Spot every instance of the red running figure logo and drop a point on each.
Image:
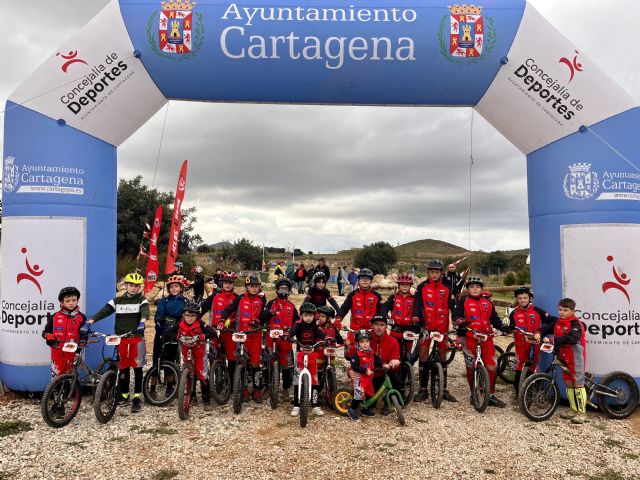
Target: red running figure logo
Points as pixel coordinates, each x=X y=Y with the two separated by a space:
x=70 y=59
x=574 y=66
x=34 y=271
x=622 y=280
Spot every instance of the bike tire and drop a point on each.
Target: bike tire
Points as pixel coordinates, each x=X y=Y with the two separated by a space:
x=480 y=391
x=451 y=354
x=408 y=385
x=61 y=385
x=219 y=382
x=437 y=384
x=526 y=373
x=398 y=409
x=105 y=400
x=539 y=390
x=331 y=386
x=274 y=384
x=510 y=347
x=499 y=350
x=342 y=400
x=627 y=401
x=185 y=385
x=168 y=368
x=238 y=387
x=304 y=401
x=507 y=363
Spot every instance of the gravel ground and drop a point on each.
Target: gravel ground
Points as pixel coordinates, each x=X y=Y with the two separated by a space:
x=452 y=442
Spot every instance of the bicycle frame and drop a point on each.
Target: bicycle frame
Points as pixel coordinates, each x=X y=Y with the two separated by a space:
x=303 y=372
x=385 y=389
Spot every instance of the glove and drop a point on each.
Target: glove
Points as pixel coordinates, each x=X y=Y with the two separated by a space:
x=201 y=337
x=220 y=326
x=85 y=328
x=338 y=323
x=227 y=323
x=140 y=328
x=49 y=337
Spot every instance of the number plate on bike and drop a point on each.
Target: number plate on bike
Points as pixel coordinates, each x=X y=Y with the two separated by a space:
x=547 y=347
x=329 y=351
x=276 y=333
x=112 y=340
x=239 y=337
x=437 y=336
x=480 y=336
x=410 y=336
x=70 y=347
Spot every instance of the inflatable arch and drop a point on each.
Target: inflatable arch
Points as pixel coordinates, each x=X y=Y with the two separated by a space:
x=64 y=124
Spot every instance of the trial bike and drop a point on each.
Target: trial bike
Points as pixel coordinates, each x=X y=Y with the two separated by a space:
x=436 y=370
x=219 y=381
x=508 y=361
x=241 y=375
x=480 y=387
x=407 y=360
x=329 y=376
x=273 y=361
x=305 y=380
x=188 y=376
x=159 y=376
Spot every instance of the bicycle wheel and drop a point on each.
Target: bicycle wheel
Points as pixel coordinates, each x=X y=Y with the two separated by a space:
x=480 y=390
x=510 y=347
x=437 y=384
x=105 y=400
x=219 y=382
x=398 y=409
x=304 y=400
x=539 y=397
x=160 y=394
x=331 y=385
x=60 y=401
x=184 y=393
x=342 y=400
x=407 y=388
x=451 y=353
x=507 y=363
x=499 y=350
x=238 y=387
x=274 y=383
x=626 y=399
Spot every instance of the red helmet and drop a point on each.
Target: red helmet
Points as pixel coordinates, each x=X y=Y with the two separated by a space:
x=229 y=276
x=405 y=278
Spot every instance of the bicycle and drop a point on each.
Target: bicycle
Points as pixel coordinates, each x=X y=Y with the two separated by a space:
x=67 y=387
x=240 y=377
x=392 y=398
x=305 y=380
x=455 y=343
x=159 y=372
x=273 y=361
x=329 y=376
x=105 y=400
x=480 y=388
x=407 y=360
x=219 y=382
x=436 y=370
x=508 y=361
x=186 y=384
x=539 y=397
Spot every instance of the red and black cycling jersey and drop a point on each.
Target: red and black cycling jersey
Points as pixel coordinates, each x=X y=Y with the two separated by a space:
x=247 y=309
x=530 y=319
x=320 y=296
x=364 y=305
x=478 y=313
x=65 y=326
x=330 y=331
x=432 y=305
x=217 y=304
x=190 y=330
x=307 y=333
x=279 y=313
x=400 y=307
x=362 y=360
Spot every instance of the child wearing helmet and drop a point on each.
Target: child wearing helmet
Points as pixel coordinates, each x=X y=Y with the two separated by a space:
x=198 y=283
x=364 y=304
x=280 y=313
x=132 y=312
x=318 y=293
x=191 y=326
x=399 y=306
x=363 y=363
x=308 y=333
x=66 y=325
x=324 y=320
x=476 y=312
x=247 y=309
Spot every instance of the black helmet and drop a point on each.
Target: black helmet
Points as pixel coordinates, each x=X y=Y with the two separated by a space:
x=66 y=291
x=365 y=272
x=474 y=281
x=435 y=264
x=191 y=307
x=307 y=307
x=318 y=276
x=252 y=279
x=360 y=334
x=328 y=311
x=283 y=281
x=520 y=290
x=379 y=318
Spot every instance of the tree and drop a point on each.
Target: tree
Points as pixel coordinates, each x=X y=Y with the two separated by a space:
x=379 y=257
x=248 y=254
x=524 y=275
x=204 y=248
x=510 y=279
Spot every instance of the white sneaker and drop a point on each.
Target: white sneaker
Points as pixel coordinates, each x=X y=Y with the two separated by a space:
x=295 y=411
x=317 y=411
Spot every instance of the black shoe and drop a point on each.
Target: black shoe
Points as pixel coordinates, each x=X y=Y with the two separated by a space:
x=496 y=402
x=206 y=404
x=122 y=400
x=448 y=397
x=421 y=396
x=136 y=405
x=366 y=412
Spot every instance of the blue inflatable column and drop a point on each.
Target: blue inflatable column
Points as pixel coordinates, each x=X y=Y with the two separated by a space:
x=58 y=229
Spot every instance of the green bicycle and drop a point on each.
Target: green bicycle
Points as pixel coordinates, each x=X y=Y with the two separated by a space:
x=392 y=397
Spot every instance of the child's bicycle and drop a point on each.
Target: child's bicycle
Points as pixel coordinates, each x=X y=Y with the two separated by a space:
x=273 y=360
x=186 y=385
x=241 y=375
x=105 y=400
x=392 y=398
x=157 y=376
x=480 y=389
x=616 y=394
x=219 y=381
x=508 y=361
x=61 y=399
x=436 y=370
x=408 y=358
x=330 y=386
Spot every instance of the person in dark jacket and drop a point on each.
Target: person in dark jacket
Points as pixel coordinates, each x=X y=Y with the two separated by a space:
x=452 y=280
x=300 y=276
x=353 y=279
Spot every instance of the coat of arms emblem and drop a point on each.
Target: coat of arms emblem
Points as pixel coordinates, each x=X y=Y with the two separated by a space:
x=180 y=30
x=580 y=183
x=11 y=175
x=470 y=35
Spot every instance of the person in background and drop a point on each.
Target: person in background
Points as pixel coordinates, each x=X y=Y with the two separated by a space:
x=352 y=278
x=300 y=276
x=218 y=279
x=342 y=281
x=452 y=280
x=280 y=270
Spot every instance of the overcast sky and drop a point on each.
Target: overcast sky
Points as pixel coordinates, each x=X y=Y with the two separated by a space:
x=329 y=178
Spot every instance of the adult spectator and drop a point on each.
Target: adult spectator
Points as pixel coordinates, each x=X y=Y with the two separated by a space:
x=342 y=281
x=279 y=271
x=352 y=278
x=300 y=277
x=452 y=280
x=217 y=279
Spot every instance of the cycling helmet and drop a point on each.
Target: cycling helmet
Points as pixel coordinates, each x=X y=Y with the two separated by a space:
x=179 y=265
x=328 y=311
x=191 y=307
x=379 y=318
x=283 y=282
x=360 y=334
x=252 y=279
x=229 y=276
x=318 y=276
x=520 y=290
x=486 y=294
x=68 y=291
x=365 y=272
x=179 y=279
x=134 y=278
x=435 y=264
x=197 y=269
x=307 y=307
x=474 y=281
x=405 y=278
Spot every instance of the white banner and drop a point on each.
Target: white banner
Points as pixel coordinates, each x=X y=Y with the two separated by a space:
x=94 y=82
x=601 y=272
x=40 y=255
x=548 y=89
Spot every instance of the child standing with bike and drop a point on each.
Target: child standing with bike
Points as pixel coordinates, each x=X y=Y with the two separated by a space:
x=570 y=343
x=318 y=293
x=66 y=325
x=399 y=306
x=132 y=311
x=363 y=363
x=364 y=304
